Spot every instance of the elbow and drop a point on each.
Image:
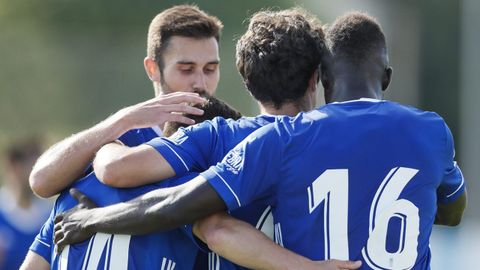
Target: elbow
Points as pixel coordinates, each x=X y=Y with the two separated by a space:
x=108 y=173
x=39 y=184
x=214 y=231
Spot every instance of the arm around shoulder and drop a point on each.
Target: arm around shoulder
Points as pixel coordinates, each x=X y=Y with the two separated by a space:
x=67 y=160
x=122 y=166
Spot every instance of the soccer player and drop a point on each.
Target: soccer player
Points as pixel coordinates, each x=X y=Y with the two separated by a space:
x=21 y=213
x=291 y=45
x=170 y=250
x=287 y=95
x=360 y=178
x=182 y=55
x=283 y=81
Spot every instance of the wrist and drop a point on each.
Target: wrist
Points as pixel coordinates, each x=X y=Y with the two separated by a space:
x=90 y=225
x=115 y=126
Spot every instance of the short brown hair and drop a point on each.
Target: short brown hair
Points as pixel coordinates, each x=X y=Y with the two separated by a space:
x=181 y=20
x=279 y=53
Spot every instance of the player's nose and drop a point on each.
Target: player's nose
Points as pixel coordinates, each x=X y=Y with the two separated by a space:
x=199 y=83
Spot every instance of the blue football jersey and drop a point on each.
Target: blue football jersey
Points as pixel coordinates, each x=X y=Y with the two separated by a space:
x=136 y=137
x=172 y=250
x=197 y=147
x=356 y=180
x=18 y=227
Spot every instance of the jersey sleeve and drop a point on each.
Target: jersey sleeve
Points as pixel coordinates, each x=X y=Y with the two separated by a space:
x=250 y=170
x=453 y=183
x=188 y=149
x=43 y=242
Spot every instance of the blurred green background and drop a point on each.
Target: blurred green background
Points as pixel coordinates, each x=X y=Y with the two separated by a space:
x=67 y=64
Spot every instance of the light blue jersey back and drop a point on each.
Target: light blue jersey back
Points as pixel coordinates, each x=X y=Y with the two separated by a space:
x=172 y=250
x=197 y=147
x=357 y=180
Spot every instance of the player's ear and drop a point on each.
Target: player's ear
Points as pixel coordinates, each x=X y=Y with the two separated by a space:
x=152 y=69
x=387 y=78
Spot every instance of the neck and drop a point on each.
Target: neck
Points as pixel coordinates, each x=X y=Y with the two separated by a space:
x=351 y=87
x=289 y=109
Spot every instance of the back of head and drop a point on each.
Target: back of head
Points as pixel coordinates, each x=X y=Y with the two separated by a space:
x=355 y=37
x=23 y=150
x=278 y=54
x=20 y=155
x=181 y=20
x=212 y=108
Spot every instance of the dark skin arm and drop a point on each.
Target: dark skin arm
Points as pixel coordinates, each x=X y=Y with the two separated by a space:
x=158 y=210
x=451 y=214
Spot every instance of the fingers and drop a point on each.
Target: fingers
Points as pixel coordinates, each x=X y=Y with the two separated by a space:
x=82 y=198
x=348 y=264
x=182 y=108
x=58 y=236
x=58 y=218
x=60 y=245
x=181 y=97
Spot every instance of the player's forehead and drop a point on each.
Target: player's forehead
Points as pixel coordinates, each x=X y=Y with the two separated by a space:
x=199 y=51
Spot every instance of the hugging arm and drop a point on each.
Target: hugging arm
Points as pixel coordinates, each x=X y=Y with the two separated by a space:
x=65 y=162
x=122 y=166
x=244 y=245
x=158 y=210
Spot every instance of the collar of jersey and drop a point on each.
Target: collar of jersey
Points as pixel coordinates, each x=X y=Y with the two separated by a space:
x=359 y=100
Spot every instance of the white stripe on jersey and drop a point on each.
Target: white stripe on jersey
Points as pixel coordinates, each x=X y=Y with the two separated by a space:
x=168 y=264
x=265 y=223
x=119 y=258
x=213 y=261
x=63 y=261
x=278 y=234
x=41 y=242
x=461 y=184
x=231 y=190
x=178 y=156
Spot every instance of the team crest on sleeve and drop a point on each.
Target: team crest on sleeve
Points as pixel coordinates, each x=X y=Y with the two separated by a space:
x=178 y=137
x=234 y=160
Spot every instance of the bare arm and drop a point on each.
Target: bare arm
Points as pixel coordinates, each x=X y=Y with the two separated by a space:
x=451 y=214
x=122 y=166
x=64 y=162
x=33 y=261
x=158 y=210
x=244 y=245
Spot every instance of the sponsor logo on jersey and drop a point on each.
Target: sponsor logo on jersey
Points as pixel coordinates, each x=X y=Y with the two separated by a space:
x=234 y=160
x=178 y=137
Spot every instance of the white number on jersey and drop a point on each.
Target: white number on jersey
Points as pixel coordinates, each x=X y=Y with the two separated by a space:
x=332 y=187
x=117 y=258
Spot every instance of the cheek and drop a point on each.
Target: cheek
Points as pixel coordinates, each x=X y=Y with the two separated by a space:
x=176 y=81
x=212 y=82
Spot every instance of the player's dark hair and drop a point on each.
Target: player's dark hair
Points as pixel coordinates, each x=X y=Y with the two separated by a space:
x=20 y=150
x=355 y=36
x=279 y=53
x=212 y=108
x=181 y=20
